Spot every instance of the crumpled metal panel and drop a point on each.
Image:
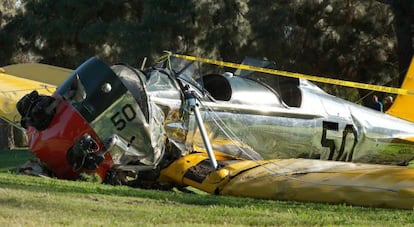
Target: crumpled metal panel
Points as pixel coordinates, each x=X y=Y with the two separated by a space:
x=115 y=104
x=138 y=123
x=126 y=115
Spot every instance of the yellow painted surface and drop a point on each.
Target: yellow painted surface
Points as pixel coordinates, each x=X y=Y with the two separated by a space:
x=39 y=72
x=302 y=180
x=20 y=79
x=13 y=88
x=327 y=182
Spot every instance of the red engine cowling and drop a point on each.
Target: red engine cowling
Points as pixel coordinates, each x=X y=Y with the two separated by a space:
x=52 y=144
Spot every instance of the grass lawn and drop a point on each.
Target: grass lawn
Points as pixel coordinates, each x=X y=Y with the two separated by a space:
x=10 y=160
x=36 y=201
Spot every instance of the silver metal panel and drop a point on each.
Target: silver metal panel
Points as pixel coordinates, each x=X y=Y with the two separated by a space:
x=256 y=124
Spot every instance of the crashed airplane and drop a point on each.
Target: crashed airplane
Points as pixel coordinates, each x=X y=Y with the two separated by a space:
x=236 y=133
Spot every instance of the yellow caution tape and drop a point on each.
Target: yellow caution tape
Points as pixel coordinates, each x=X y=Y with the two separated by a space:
x=379 y=88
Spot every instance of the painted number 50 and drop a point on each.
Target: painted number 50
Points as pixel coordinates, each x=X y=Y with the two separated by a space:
x=120 y=118
x=330 y=143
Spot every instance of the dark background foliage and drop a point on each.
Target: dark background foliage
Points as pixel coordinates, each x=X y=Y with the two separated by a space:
x=366 y=41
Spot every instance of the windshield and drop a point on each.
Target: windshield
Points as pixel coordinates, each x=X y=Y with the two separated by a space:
x=188 y=71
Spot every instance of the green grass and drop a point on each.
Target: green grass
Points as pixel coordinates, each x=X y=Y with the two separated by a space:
x=36 y=201
x=10 y=160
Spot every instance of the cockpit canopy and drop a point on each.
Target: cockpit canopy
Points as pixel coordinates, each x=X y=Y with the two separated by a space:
x=242 y=86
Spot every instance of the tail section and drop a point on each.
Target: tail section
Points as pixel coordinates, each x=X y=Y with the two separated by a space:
x=404 y=104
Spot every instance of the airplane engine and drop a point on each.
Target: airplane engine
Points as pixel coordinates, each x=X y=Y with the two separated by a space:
x=77 y=134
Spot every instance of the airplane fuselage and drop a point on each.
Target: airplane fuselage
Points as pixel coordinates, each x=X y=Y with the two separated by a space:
x=136 y=121
x=318 y=125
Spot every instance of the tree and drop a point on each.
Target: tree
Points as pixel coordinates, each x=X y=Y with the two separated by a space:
x=163 y=25
x=64 y=33
x=350 y=40
x=7 y=40
x=223 y=28
x=216 y=29
x=7 y=44
x=404 y=28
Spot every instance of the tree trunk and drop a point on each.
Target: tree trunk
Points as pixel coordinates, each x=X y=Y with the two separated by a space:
x=404 y=26
x=404 y=29
x=11 y=137
x=20 y=137
x=4 y=135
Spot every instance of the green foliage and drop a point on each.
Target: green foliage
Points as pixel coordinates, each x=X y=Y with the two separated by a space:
x=7 y=40
x=223 y=27
x=350 y=40
x=336 y=38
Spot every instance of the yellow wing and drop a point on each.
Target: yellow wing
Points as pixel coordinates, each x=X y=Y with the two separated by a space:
x=304 y=180
x=39 y=72
x=20 y=79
